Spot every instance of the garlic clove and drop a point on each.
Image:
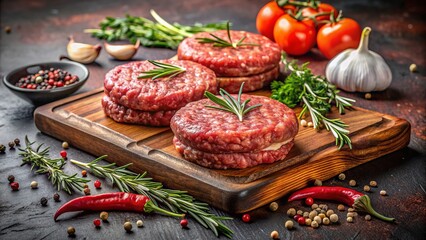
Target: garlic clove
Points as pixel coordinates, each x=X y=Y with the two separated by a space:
x=359 y=70
x=82 y=52
x=122 y=52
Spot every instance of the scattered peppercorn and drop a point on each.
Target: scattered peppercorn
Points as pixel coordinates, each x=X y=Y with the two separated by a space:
x=246 y=218
x=104 y=216
x=275 y=235
x=303 y=123
x=56 y=197
x=355 y=214
x=71 y=231
x=341 y=207
x=47 y=79
x=296 y=217
x=367 y=217
x=97 y=184
x=351 y=209
x=85 y=186
x=17 y=141
x=289 y=224
x=334 y=218
x=413 y=67
x=301 y=221
x=14 y=186
x=305 y=214
x=11 y=145
x=34 y=184
x=350 y=214
x=63 y=154
x=86 y=191
x=314 y=224
x=317 y=182
x=97 y=222
x=184 y=223
x=2 y=148
x=350 y=219
x=7 y=29
x=367 y=96
x=352 y=183
x=43 y=201
x=367 y=188
x=84 y=173
x=299 y=212
x=321 y=215
x=308 y=222
x=273 y=206
x=383 y=192
x=342 y=176
x=329 y=212
x=291 y=212
x=313 y=214
x=309 y=201
x=323 y=207
x=65 y=145
x=310 y=124
x=139 y=223
x=373 y=183
x=326 y=221
x=318 y=219
x=128 y=226
x=11 y=178
x=314 y=206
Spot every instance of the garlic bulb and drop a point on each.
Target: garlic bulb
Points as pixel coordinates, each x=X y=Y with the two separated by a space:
x=122 y=52
x=81 y=52
x=359 y=70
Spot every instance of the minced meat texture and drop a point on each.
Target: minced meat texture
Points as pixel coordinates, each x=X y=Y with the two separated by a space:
x=124 y=87
x=216 y=131
x=232 y=160
x=124 y=114
x=229 y=61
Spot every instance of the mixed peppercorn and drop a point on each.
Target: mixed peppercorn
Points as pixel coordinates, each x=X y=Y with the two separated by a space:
x=47 y=79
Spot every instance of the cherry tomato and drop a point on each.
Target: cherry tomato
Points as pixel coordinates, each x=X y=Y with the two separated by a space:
x=295 y=37
x=268 y=15
x=333 y=38
x=309 y=201
x=246 y=218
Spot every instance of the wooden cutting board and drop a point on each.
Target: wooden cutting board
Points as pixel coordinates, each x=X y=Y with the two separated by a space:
x=80 y=121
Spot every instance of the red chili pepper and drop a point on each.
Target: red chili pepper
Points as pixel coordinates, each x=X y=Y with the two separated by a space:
x=119 y=201
x=350 y=197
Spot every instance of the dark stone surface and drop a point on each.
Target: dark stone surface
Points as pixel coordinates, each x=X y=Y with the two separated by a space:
x=39 y=34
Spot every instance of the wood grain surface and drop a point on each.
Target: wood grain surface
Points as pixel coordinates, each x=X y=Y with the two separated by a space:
x=151 y=149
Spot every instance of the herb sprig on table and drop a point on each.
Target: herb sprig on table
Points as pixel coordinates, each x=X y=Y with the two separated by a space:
x=39 y=158
x=150 y=33
x=175 y=200
x=316 y=95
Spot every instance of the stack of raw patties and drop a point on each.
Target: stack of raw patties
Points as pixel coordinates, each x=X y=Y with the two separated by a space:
x=255 y=61
x=146 y=101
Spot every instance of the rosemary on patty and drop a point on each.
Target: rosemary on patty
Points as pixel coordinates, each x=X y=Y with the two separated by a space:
x=162 y=70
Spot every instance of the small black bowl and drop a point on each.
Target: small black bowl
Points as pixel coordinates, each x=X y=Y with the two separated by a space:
x=43 y=96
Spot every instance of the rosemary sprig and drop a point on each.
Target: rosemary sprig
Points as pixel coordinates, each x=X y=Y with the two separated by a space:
x=230 y=104
x=220 y=42
x=53 y=167
x=316 y=95
x=174 y=200
x=163 y=70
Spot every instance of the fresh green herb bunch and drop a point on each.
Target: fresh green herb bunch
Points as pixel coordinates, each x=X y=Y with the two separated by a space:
x=150 y=33
x=39 y=158
x=175 y=200
x=316 y=96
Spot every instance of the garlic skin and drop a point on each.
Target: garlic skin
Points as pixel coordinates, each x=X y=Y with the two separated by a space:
x=359 y=70
x=81 y=52
x=122 y=52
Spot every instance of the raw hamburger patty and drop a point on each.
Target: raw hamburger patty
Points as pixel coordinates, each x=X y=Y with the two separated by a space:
x=251 y=83
x=127 y=115
x=215 y=131
x=123 y=87
x=231 y=160
x=229 y=61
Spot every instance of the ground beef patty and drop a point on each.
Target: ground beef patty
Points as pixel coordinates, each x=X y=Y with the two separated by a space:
x=215 y=131
x=123 y=114
x=229 y=61
x=123 y=86
x=231 y=160
x=251 y=83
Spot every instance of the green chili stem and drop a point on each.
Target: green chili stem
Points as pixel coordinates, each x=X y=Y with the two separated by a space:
x=363 y=204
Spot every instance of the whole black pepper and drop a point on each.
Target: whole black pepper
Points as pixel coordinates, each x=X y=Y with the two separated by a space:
x=17 y=141
x=56 y=197
x=11 y=178
x=11 y=145
x=43 y=201
x=2 y=148
x=71 y=231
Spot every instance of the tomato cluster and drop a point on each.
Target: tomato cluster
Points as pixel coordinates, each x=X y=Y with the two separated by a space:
x=297 y=26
